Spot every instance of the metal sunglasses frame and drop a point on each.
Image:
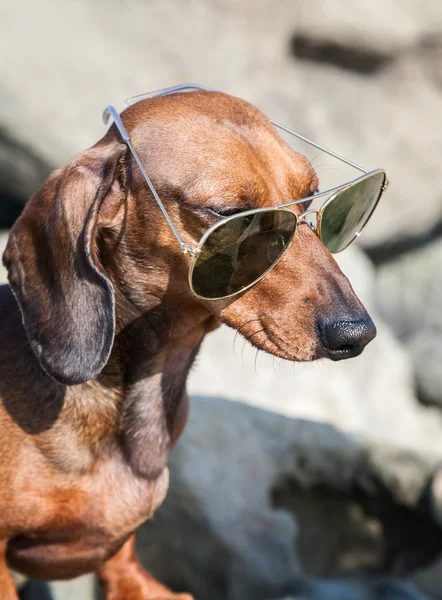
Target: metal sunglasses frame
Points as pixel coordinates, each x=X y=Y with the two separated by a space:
x=194 y=251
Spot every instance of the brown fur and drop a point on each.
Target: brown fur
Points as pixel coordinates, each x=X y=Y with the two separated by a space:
x=93 y=386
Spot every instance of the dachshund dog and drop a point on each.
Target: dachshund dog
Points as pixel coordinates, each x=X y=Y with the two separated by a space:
x=100 y=329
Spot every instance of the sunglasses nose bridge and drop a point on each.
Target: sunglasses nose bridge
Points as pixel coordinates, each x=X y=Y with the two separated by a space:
x=311 y=211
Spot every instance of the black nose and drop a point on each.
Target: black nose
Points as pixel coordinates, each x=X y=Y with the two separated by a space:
x=346 y=338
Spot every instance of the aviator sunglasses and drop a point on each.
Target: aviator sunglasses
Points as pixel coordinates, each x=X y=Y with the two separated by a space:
x=238 y=250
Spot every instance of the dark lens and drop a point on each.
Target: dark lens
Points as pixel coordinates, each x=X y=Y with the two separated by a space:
x=345 y=216
x=241 y=251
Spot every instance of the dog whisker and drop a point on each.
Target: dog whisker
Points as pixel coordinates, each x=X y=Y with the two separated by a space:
x=242 y=354
x=319 y=154
x=238 y=331
x=257 y=350
x=264 y=342
x=256 y=359
x=255 y=333
x=274 y=368
x=246 y=323
x=325 y=168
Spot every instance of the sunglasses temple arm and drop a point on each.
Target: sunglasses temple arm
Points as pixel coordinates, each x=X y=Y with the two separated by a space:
x=196 y=86
x=111 y=111
x=183 y=87
x=330 y=152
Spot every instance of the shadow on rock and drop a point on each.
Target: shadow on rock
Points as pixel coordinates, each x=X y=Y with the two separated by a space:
x=258 y=501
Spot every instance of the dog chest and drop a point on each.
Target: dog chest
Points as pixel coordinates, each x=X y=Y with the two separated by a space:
x=60 y=527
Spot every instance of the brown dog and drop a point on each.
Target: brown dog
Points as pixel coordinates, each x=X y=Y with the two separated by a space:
x=100 y=334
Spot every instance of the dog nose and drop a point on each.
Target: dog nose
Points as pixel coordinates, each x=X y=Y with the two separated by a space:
x=346 y=338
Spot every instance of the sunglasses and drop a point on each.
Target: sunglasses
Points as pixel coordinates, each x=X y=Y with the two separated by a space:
x=239 y=250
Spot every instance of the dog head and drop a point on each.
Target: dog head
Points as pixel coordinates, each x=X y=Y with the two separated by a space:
x=92 y=243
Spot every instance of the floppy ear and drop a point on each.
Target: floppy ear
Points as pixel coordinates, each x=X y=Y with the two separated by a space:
x=66 y=300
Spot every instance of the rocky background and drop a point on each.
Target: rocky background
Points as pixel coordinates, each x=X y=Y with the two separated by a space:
x=312 y=482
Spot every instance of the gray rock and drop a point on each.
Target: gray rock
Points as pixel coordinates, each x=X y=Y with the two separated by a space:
x=37 y=590
x=409 y=297
x=359 y=25
x=22 y=171
x=261 y=496
x=377 y=66
x=342 y=590
x=55 y=110
x=333 y=590
x=409 y=291
x=429 y=579
x=427 y=355
x=362 y=527
x=395 y=590
x=57 y=107
x=218 y=529
x=404 y=473
x=82 y=588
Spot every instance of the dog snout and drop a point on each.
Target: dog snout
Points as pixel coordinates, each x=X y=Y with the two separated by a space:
x=346 y=337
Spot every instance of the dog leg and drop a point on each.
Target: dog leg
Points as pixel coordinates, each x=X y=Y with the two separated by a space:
x=7 y=586
x=124 y=578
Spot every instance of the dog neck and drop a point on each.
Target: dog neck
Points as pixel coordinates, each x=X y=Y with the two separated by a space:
x=154 y=349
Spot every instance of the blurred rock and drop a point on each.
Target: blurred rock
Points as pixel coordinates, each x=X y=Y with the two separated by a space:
x=239 y=475
x=429 y=579
x=409 y=297
x=381 y=117
x=81 y=588
x=427 y=354
x=373 y=76
x=382 y=589
x=22 y=172
x=218 y=530
x=394 y=590
x=361 y=25
x=342 y=590
x=57 y=107
x=362 y=527
x=409 y=291
x=38 y=590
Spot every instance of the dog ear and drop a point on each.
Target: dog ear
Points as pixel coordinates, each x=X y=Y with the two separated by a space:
x=66 y=300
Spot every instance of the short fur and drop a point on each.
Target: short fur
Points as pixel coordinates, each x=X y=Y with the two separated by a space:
x=99 y=328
